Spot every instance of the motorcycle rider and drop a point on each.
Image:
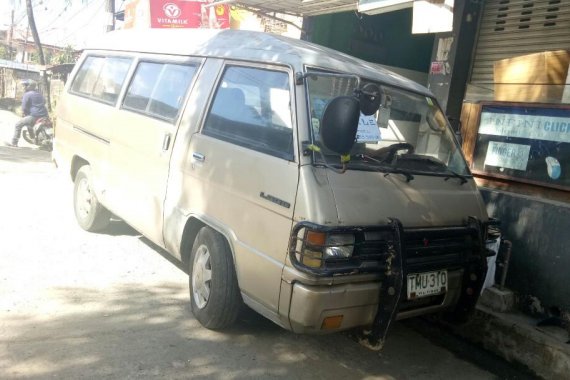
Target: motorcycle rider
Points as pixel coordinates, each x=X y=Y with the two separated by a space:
x=33 y=108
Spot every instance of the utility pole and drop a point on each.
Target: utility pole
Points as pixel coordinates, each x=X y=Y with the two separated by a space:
x=11 y=35
x=110 y=10
x=34 y=30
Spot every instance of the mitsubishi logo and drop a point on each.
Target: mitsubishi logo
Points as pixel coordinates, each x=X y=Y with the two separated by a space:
x=426 y=242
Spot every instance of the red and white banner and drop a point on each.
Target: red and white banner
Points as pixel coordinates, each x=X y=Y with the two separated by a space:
x=188 y=14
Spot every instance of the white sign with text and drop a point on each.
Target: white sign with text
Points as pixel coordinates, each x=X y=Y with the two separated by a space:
x=368 y=130
x=536 y=127
x=506 y=155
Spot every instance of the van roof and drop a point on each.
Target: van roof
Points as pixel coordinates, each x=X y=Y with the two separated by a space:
x=247 y=45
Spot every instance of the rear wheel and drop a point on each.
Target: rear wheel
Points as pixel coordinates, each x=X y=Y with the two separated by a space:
x=90 y=214
x=214 y=292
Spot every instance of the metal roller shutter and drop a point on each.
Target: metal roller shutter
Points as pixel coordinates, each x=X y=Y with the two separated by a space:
x=511 y=28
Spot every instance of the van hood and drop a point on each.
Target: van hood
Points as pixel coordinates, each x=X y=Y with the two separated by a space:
x=364 y=198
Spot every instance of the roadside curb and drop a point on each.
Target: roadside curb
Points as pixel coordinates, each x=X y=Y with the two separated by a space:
x=516 y=338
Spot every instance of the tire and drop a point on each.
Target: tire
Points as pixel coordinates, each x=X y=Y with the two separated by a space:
x=214 y=293
x=27 y=137
x=89 y=213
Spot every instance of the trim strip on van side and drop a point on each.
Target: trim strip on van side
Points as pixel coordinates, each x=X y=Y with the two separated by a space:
x=85 y=132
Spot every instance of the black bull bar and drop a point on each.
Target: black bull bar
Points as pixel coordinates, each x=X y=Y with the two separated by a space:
x=472 y=258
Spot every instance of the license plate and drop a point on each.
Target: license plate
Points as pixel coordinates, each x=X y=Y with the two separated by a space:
x=427 y=284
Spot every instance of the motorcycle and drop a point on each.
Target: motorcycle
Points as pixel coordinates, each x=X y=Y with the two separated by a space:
x=43 y=134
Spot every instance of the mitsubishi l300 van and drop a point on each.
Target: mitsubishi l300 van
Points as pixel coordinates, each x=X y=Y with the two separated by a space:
x=322 y=191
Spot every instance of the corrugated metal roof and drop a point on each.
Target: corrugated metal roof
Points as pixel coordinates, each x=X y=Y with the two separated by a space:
x=297 y=7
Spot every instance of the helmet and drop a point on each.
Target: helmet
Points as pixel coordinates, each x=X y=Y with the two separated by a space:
x=29 y=84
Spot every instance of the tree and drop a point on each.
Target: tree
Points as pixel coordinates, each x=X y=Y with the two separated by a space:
x=34 y=29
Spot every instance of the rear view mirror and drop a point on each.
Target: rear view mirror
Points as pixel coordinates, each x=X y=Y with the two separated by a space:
x=340 y=124
x=369 y=97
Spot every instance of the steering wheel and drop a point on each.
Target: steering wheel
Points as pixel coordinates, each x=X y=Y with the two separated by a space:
x=395 y=148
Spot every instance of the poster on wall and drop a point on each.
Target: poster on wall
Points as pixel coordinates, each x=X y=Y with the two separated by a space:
x=528 y=143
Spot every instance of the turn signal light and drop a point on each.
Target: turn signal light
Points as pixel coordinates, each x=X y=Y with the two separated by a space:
x=330 y=323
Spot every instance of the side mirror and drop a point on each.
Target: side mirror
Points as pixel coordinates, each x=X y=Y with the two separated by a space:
x=340 y=124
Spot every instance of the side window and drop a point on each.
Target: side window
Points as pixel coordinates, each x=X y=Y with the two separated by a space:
x=101 y=78
x=158 y=89
x=252 y=108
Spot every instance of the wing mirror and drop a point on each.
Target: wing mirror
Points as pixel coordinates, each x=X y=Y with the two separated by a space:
x=340 y=124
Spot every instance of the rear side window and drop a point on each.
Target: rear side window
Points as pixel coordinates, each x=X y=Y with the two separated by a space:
x=158 y=89
x=101 y=78
x=252 y=108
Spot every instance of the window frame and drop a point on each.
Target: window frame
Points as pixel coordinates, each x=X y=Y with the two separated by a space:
x=182 y=61
x=286 y=69
x=104 y=56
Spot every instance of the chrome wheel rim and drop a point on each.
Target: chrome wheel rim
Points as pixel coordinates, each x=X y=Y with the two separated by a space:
x=201 y=277
x=84 y=198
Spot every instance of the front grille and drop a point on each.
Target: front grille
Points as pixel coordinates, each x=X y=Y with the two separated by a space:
x=429 y=248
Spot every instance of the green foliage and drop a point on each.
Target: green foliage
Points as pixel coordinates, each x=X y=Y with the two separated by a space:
x=68 y=55
x=4 y=53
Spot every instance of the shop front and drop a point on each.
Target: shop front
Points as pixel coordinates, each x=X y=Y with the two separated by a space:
x=516 y=136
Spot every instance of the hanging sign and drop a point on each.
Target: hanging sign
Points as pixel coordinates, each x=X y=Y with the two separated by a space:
x=432 y=16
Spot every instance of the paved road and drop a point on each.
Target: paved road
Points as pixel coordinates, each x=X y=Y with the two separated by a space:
x=80 y=305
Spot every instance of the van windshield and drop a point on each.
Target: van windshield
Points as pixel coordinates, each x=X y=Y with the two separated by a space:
x=409 y=133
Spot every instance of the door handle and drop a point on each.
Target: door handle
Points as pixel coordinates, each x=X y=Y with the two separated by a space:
x=166 y=142
x=198 y=157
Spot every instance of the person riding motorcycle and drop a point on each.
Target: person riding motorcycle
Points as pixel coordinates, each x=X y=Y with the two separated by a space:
x=33 y=108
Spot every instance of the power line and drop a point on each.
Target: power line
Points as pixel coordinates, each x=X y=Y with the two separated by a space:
x=83 y=8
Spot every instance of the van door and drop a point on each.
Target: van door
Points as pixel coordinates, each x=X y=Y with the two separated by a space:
x=86 y=113
x=142 y=142
x=243 y=174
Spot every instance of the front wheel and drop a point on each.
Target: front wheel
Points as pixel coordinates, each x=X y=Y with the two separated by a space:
x=90 y=214
x=27 y=137
x=214 y=293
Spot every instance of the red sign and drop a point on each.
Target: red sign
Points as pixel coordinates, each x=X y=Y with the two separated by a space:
x=437 y=68
x=188 y=14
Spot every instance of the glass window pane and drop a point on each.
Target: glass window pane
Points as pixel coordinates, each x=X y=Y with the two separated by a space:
x=140 y=89
x=111 y=79
x=87 y=76
x=528 y=143
x=252 y=108
x=168 y=94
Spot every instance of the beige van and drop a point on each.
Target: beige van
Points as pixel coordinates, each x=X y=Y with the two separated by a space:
x=322 y=191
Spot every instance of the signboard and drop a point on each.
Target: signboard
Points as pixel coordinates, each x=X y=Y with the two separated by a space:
x=373 y=7
x=505 y=155
x=176 y=14
x=188 y=14
x=551 y=125
x=432 y=16
x=528 y=143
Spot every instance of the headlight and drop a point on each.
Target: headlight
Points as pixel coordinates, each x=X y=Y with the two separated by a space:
x=318 y=247
x=339 y=246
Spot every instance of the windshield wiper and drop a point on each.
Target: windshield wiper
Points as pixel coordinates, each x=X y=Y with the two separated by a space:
x=406 y=174
x=462 y=179
x=388 y=169
x=439 y=163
